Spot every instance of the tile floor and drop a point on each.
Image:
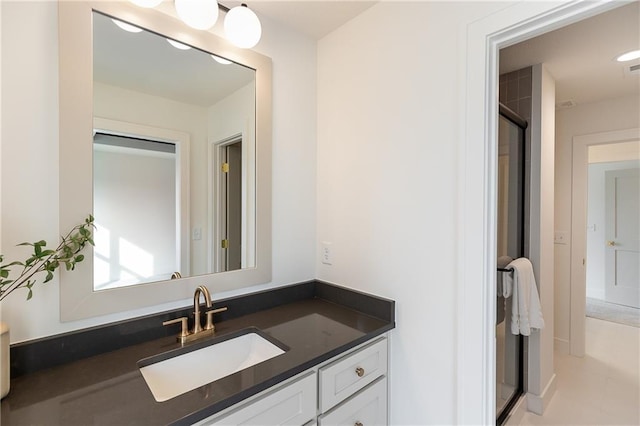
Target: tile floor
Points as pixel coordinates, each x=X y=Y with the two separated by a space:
x=603 y=388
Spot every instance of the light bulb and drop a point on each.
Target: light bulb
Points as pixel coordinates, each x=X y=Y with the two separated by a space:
x=127 y=27
x=198 y=14
x=242 y=27
x=178 y=45
x=146 y=3
x=220 y=60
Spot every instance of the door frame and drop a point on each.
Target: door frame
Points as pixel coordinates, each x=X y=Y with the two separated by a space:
x=478 y=192
x=579 y=189
x=215 y=257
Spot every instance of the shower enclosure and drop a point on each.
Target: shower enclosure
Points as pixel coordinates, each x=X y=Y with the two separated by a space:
x=511 y=243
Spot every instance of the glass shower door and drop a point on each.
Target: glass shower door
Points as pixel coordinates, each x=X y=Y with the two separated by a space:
x=510 y=245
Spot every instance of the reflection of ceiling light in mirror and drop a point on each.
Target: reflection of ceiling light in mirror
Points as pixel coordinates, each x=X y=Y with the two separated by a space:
x=629 y=56
x=178 y=45
x=221 y=60
x=198 y=14
x=146 y=3
x=242 y=27
x=126 y=27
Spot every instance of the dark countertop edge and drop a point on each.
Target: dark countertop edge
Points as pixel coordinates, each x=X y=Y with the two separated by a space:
x=274 y=380
x=39 y=354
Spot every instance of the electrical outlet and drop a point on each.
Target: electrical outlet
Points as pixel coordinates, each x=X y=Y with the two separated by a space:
x=561 y=237
x=325 y=253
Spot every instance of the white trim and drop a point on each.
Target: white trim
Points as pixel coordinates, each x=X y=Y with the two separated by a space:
x=477 y=191
x=578 y=289
x=537 y=403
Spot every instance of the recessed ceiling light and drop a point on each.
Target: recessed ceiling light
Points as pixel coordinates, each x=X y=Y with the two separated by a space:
x=629 y=56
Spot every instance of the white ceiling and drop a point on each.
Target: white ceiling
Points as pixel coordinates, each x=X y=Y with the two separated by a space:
x=581 y=56
x=310 y=17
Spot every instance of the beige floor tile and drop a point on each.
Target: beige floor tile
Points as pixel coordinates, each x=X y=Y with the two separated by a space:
x=603 y=387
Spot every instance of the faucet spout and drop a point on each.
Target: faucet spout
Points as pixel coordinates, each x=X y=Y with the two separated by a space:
x=197 y=324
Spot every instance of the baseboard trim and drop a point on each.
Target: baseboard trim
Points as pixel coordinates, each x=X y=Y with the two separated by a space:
x=538 y=403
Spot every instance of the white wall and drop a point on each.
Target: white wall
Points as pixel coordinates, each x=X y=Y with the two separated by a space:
x=389 y=121
x=29 y=168
x=609 y=115
x=540 y=383
x=596 y=224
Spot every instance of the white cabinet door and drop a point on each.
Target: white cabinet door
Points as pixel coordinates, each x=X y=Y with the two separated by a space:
x=367 y=408
x=293 y=404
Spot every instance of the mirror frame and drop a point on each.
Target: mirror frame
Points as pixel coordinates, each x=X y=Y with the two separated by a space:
x=78 y=300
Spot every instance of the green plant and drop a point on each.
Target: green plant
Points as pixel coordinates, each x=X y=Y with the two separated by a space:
x=46 y=260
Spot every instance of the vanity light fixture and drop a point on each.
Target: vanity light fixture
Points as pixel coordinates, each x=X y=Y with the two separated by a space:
x=178 y=45
x=198 y=14
x=242 y=27
x=146 y=3
x=629 y=56
x=127 y=27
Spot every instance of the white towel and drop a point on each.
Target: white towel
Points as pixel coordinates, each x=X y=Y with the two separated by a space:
x=520 y=284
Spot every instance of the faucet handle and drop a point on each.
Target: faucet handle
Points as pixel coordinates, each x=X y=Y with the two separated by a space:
x=209 y=325
x=185 y=327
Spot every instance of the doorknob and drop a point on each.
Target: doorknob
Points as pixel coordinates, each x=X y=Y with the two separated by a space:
x=611 y=243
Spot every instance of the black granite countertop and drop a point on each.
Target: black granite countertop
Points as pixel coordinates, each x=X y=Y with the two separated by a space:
x=108 y=388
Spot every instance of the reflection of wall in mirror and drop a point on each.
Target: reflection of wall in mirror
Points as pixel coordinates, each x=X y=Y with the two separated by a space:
x=232 y=114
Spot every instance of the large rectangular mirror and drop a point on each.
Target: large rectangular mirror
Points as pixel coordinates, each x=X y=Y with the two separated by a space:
x=170 y=149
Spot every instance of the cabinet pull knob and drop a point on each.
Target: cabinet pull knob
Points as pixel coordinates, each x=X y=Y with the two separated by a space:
x=611 y=243
x=360 y=373
x=358 y=423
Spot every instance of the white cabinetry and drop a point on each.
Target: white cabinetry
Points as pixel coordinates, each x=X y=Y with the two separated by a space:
x=349 y=390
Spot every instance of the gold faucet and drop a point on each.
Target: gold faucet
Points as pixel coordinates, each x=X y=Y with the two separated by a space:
x=198 y=331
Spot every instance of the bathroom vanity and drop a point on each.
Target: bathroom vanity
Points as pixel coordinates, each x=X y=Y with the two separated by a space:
x=332 y=370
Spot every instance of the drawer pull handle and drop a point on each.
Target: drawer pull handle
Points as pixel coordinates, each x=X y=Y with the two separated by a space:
x=360 y=373
x=358 y=423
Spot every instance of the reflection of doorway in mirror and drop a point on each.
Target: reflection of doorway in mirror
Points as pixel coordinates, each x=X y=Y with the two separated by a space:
x=231 y=200
x=135 y=197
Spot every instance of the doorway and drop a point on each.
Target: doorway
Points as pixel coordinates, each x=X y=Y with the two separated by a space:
x=231 y=206
x=485 y=37
x=226 y=201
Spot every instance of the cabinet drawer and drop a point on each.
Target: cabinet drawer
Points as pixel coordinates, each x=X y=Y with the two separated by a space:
x=367 y=408
x=346 y=376
x=294 y=404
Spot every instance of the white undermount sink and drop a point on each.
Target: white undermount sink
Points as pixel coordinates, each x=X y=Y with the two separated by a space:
x=176 y=375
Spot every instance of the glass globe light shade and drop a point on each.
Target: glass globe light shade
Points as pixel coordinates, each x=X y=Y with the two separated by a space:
x=146 y=3
x=198 y=14
x=242 y=27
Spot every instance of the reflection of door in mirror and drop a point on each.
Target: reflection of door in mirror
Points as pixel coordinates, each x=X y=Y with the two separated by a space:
x=135 y=197
x=231 y=202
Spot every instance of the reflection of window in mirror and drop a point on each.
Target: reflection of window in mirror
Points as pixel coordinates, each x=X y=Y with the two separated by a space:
x=135 y=197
